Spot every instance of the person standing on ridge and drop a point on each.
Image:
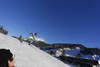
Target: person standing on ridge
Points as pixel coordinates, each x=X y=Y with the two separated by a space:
x=20 y=38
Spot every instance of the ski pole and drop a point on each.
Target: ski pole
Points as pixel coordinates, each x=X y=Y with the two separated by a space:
x=27 y=30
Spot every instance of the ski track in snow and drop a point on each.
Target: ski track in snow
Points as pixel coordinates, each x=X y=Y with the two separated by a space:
x=29 y=56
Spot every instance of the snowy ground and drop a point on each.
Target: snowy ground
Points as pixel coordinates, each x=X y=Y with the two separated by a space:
x=76 y=51
x=29 y=56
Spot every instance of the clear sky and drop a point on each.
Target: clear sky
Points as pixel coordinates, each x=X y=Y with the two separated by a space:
x=57 y=21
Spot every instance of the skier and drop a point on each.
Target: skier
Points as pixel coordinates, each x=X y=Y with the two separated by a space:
x=31 y=39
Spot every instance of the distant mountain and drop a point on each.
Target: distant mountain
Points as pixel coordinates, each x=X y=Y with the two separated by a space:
x=68 y=45
x=42 y=44
x=91 y=51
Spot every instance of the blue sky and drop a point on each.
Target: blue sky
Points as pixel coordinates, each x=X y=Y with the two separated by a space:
x=57 y=21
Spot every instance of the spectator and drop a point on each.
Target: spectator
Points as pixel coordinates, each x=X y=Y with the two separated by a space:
x=6 y=58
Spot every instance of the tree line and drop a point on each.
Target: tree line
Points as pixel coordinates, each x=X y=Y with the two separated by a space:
x=2 y=30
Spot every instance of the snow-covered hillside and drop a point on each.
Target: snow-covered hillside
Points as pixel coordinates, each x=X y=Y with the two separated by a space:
x=73 y=53
x=40 y=39
x=29 y=56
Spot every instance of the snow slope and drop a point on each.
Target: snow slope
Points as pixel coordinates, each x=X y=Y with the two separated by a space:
x=29 y=56
x=40 y=39
x=73 y=53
